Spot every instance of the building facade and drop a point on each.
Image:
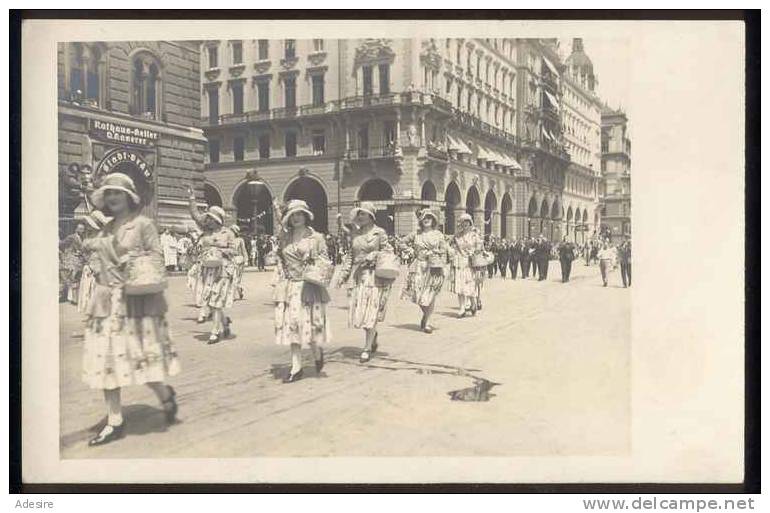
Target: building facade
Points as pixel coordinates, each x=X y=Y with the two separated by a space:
x=131 y=107
x=581 y=121
x=460 y=125
x=616 y=173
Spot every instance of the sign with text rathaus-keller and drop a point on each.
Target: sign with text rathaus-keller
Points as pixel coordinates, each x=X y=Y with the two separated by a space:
x=123 y=134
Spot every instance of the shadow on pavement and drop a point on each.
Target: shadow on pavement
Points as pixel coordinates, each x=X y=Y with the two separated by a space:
x=140 y=419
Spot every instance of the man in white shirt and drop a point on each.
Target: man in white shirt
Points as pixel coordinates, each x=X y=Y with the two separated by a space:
x=607 y=255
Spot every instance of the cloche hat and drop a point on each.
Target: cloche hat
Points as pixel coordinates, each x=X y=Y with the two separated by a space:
x=115 y=182
x=217 y=214
x=293 y=207
x=366 y=207
x=428 y=213
x=466 y=217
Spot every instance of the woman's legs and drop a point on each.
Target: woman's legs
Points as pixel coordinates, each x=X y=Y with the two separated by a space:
x=463 y=303
x=114 y=408
x=162 y=391
x=296 y=358
x=219 y=321
x=369 y=334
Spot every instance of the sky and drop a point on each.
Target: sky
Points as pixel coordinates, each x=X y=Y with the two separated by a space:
x=611 y=58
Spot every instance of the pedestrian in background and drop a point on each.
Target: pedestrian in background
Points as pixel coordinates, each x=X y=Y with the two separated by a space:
x=71 y=266
x=466 y=243
x=624 y=256
x=566 y=252
x=502 y=256
x=239 y=260
x=168 y=245
x=607 y=256
x=516 y=254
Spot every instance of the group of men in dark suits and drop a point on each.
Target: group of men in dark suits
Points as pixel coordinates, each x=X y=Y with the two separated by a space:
x=532 y=253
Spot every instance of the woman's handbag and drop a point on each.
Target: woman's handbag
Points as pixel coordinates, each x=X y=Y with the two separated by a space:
x=436 y=261
x=318 y=272
x=482 y=259
x=145 y=274
x=387 y=266
x=212 y=258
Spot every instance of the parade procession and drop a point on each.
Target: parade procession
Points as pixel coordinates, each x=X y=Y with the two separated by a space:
x=262 y=220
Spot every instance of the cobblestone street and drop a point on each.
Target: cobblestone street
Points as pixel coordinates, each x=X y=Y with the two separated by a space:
x=557 y=356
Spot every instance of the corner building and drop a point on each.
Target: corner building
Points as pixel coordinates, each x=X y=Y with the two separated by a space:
x=616 y=172
x=405 y=123
x=132 y=107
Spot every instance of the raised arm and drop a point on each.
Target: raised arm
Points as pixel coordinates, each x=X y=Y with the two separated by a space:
x=194 y=212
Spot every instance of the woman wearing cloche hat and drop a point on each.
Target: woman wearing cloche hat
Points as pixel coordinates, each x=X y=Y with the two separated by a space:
x=213 y=286
x=369 y=294
x=466 y=243
x=300 y=306
x=95 y=222
x=426 y=273
x=126 y=338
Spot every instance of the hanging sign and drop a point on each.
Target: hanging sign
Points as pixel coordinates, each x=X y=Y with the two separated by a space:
x=124 y=156
x=123 y=134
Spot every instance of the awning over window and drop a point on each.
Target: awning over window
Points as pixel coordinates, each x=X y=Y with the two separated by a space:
x=458 y=145
x=550 y=66
x=551 y=98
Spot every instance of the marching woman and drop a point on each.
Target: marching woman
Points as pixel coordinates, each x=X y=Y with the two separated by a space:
x=369 y=294
x=72 y=262
x=300 y=306
x=467 y=279
x=214 y=284
x=95 y=221
x=127 y=338
x=240 y=260
x=426 y=275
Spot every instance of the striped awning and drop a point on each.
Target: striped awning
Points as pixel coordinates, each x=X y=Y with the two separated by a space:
x=551 y=98
x=550 y=66
x=458 y=145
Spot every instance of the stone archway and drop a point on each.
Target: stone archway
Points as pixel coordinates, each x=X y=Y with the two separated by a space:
x=428 y=191
x=490 y=206
x=532 y=212
x=311 y=190
x=377 y=189
x=254 y=208
x=452 y=201
x=211 y=195
x=505 y=209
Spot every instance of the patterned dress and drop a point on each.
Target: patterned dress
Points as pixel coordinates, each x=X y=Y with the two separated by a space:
x=127 y=339
x=466 y=278
x=214 y=286
x=369 y=294
x=424 y=282
x=300 y=308
x=71 y=265
x=88 y=280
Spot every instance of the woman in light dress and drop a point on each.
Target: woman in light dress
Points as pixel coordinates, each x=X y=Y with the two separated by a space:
x=71 y=265
x=240 y=260
x=213 y=286
x=168 y=244
x=96 y=220
x=369 y=294
x=467 y=280
x=127 y=338
x=426 y=273
x=300 y=307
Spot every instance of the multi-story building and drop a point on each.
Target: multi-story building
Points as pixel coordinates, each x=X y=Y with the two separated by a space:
x=616 y=172
x=132 y=107
x=581 y=121
x=459 y=125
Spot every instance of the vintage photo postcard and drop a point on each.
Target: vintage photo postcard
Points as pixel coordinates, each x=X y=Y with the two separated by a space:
x=393 y=252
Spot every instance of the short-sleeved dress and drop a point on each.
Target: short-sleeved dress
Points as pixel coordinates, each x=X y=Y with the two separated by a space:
x=369 y=294
x=214 y=285
x=300 y=307
x=423 y=282
x=127 y=339
x=466 y=278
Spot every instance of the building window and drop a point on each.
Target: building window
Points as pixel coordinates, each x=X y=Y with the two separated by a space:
x=264 y=146
x=318 y=90
x=262 y=49
x=459 y=51
x=213 y=57
x=363 y=142
x=318 y=45
x=263 y=96
x=389 y=133
x=145 y=87
x=289 y=49
x=237 y=89
x=213 y=105
x=237 y=52
x=291 y=144
x=213 y=151
x=384 y=78
x=238 y=144
x=459 y=96
x=368 y=86
x=319 y=142
x=448 y=87
x=290 y=92
x=86 y=73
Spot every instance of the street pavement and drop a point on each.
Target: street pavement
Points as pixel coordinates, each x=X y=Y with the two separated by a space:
x=551 y=359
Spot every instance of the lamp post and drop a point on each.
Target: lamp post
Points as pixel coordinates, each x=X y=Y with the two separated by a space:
x=255 y=185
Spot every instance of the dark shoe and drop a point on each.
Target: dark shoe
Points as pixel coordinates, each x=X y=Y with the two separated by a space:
x=201 y=319
x=423 y=322
x=213 y=339
x=428 y=329
x=108 y=434
x=292 y=378
x=319 y=364
x=365 y=356
x=170 y=407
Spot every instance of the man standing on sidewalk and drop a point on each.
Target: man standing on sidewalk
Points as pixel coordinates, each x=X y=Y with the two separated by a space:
x=624 y=256
x=542 y=257
x=515 y=256
x=566 y=256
